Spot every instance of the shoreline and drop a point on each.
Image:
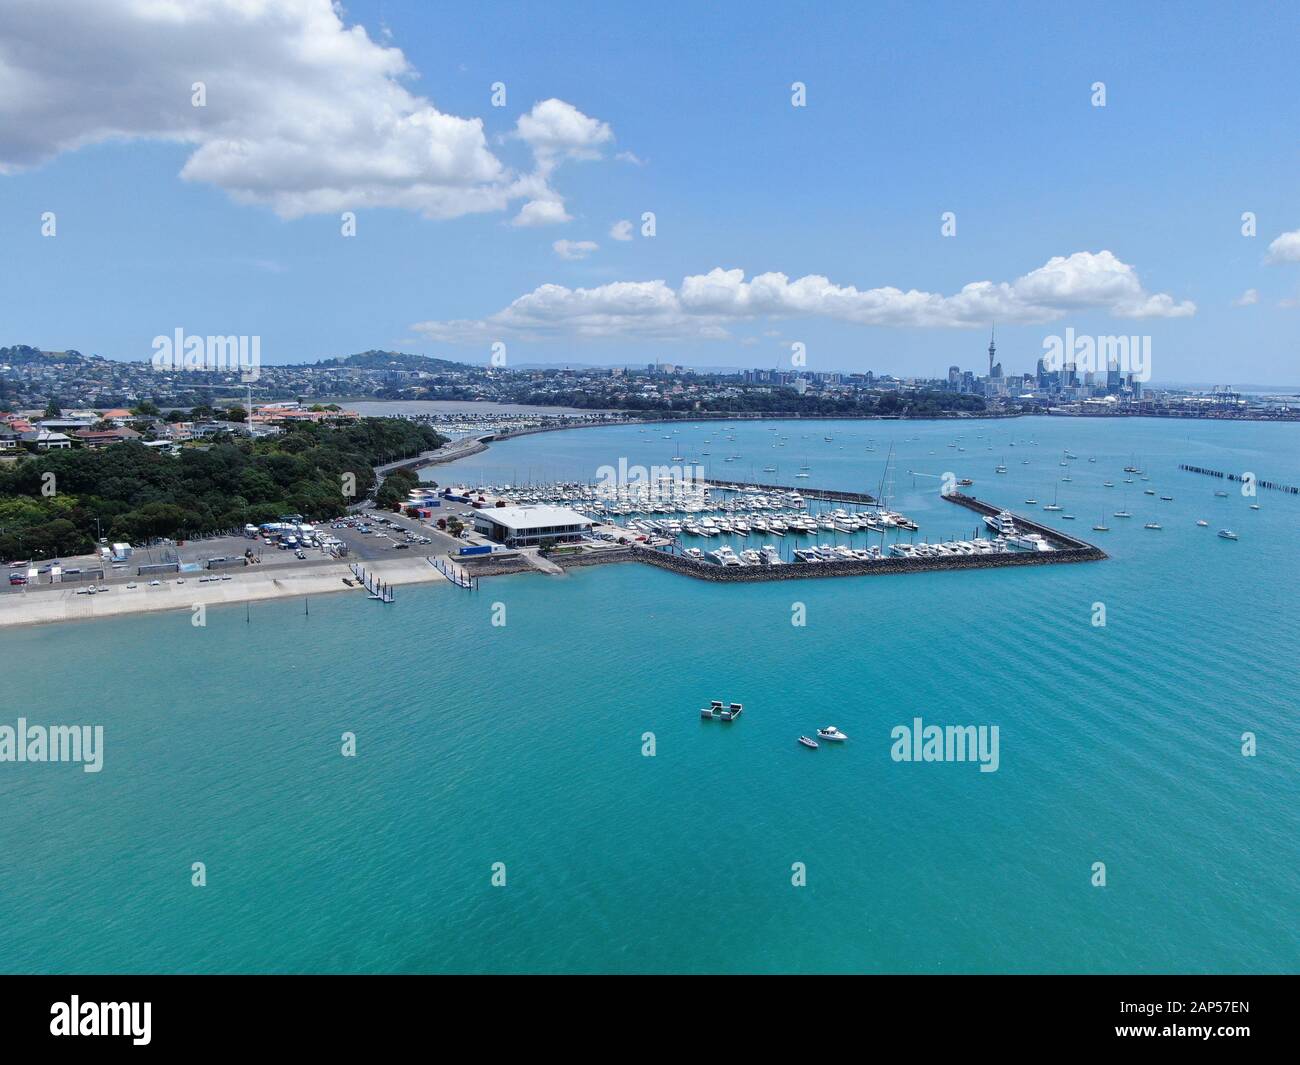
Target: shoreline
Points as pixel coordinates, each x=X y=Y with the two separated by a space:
x=50 y=606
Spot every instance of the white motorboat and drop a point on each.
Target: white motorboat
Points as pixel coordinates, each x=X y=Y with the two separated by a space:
x=831 y=733
x=808 y=741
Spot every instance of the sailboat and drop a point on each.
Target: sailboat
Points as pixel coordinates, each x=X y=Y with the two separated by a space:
x=1101 y=525
x=1053 y=505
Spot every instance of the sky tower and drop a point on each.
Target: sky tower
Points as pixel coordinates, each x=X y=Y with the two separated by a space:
x=992 y=348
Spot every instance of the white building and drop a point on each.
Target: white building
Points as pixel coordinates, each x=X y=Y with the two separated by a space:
x=528 y=526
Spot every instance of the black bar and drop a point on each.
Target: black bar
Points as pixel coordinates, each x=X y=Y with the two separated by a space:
x=984 y=1015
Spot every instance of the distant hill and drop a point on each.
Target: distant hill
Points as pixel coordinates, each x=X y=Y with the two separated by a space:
x=393 y=360
x=25 y=355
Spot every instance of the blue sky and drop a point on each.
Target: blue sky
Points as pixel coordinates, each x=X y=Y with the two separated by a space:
x=912 y=110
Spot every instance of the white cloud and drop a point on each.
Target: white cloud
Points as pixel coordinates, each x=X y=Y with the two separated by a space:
x=303 y=114
x=1247 y=299
x=630 y=157
x=541 y=213
x=1285 y=248
x=555 y=128
x=621 y=230
x=705 y=304
x=574 y=249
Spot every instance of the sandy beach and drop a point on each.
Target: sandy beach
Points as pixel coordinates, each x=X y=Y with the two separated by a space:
x=39 y=606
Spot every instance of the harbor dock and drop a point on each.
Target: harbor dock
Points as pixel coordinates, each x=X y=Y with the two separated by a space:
x=830 y=495
x=1065 y=549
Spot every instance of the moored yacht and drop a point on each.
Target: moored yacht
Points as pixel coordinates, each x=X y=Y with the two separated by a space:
x=1003 y=523
x=830 y=732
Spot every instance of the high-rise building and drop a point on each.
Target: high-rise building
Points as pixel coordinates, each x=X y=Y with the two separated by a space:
x=992 y=352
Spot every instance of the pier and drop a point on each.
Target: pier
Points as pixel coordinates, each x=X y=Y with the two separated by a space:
x=1238 y=477
x=378 y=589
x=453 y=573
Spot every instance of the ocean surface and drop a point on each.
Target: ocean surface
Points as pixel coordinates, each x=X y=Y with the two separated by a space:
x=523 y=743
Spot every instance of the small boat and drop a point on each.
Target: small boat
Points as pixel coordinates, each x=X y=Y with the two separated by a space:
x=1031 y=502
x=1101 y=525
x=1167 y=499
x=965 y=482
x=808 y=741
x=830 y=732
x=1067 y=517
x=1254 y=506
x=1203 y=524
x=1153 y=525
x=1222 y=495
x=1227 y=534
x=1108 y=484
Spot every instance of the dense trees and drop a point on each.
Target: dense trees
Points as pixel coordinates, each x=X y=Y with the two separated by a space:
x=129 y=492
x=396 y=489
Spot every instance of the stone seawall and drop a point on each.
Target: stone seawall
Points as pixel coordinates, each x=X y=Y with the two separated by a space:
x=711 y=571
x=592 y=558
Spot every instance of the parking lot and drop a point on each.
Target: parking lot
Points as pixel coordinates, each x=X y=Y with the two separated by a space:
x=367 y=536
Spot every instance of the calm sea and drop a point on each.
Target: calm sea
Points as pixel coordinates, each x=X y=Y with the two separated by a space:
x=522 y=744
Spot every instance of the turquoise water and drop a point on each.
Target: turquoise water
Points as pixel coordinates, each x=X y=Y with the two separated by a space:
x=522 y=744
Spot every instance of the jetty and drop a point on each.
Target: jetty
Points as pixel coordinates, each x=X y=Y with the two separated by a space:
x=454 y=573
x=379 y=590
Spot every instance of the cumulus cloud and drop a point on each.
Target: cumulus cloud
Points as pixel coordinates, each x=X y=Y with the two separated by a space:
x=1247 y=299
x=621 y=230
x=554 y=128
x=705 y=304
x=303 y=114
x=574 y=249
x=542 y=213
x=630 y=157
x=1285 y=249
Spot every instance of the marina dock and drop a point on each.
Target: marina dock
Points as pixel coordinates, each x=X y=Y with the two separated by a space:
x=830 y=495
x=1065 y=549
